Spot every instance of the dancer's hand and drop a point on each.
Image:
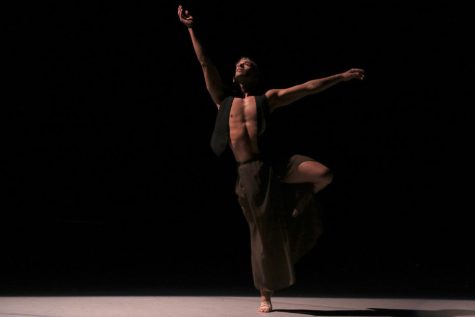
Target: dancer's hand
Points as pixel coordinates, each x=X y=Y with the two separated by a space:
x=185 y=17
x=354 y=73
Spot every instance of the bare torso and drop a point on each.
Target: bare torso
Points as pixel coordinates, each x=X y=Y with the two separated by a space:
x=243 y=128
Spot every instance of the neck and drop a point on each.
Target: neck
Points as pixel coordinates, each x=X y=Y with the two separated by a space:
x=245 y=90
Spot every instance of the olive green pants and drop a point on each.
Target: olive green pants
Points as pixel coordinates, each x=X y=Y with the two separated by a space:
x=279 y=238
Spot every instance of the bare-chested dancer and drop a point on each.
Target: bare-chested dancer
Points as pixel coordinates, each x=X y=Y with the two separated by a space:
x=240 y=123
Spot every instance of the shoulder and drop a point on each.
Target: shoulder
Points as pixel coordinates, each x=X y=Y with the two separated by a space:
x=271 y=93
x=271 y=97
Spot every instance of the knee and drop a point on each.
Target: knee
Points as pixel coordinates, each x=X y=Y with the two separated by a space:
x=328 y=177
x=324 y=179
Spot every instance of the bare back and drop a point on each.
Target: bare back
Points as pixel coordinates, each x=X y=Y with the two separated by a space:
x=243 y=128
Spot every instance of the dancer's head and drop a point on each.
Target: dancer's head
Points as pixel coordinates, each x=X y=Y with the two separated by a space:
x=247 y=73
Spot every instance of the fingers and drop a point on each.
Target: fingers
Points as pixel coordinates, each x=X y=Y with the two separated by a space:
x=357 y=70
x=357 y=73
x=182 y=14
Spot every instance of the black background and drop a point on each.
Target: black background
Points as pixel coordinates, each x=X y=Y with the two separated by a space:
x=111 y=185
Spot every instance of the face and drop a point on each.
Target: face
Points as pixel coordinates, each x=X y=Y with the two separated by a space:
x=244 y=68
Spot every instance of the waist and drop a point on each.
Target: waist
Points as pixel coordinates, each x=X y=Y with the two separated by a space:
x=257 y=157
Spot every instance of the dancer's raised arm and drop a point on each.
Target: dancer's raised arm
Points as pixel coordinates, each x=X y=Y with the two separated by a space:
x=214 y=83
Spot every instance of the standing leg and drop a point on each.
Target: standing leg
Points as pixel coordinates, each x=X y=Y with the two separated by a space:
x=259 y=194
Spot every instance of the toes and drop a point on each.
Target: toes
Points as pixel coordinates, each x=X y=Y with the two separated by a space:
x=265 y=308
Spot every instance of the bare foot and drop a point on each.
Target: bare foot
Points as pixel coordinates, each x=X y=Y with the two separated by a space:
x=265 y=305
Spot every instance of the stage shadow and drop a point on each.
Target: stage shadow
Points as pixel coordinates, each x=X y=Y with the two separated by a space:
x=382 y=312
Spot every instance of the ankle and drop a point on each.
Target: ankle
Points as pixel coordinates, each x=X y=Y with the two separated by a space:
x=266 y=294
